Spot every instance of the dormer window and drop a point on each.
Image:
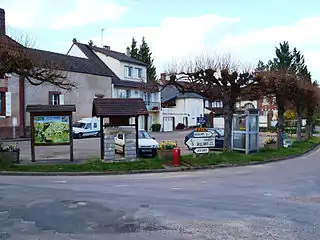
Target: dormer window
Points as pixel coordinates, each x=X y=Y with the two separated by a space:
x=139 y=72
x=128 y=71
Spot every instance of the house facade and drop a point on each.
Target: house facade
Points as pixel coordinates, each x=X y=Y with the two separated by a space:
x=129 y=78
x=16 y=93
x=180 y=108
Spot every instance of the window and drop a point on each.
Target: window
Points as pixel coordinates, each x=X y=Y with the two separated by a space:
x=2 y=103
x=88 y=126
x=147 y=98
x=128 y=71
x=128 y=93
x=139 y=72
x=95 y=125
x=248 y=106
x=120 y=136
x=56 y=98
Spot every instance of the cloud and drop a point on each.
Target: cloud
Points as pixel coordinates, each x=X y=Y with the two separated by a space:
x=173 y=38
x=260 y=44
x=88 y=11
x=22 y=14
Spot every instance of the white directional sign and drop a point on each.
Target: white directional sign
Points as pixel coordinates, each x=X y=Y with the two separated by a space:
x=201 y=150
x=202 y=134
x=200 y=142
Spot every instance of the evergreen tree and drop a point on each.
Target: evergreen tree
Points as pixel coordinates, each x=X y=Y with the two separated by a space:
x=134 y=49
x=144 y=55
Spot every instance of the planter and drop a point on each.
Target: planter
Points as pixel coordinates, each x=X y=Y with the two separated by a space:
x=9 y=158
x=165 y=153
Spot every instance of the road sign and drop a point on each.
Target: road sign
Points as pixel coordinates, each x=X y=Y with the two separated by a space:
x=201 y=120
x=201 y=129
x=201 y=142
x=201 y=150
x=202 y=134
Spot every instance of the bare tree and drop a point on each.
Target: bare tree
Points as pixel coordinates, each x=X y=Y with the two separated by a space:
x=217 y=77
x=18 y=58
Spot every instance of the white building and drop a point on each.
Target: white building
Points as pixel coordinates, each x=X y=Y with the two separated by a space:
x=129 y=80
x=180 y=108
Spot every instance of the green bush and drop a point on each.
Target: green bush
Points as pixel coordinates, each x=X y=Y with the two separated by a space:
x=156 y=127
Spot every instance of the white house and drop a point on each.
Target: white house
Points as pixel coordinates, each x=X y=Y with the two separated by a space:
x=180 y=108
x=129 y=77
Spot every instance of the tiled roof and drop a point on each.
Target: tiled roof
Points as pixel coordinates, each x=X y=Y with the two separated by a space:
x=113 y=107
x=88 y=51
x=171 y=92
x=67 y=63
x=51 y=108
x=118 y=55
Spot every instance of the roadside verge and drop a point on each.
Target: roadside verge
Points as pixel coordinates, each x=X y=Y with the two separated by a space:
x=210 y=161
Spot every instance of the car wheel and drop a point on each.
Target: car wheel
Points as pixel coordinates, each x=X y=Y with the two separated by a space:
x=80 y=135
x=98 y=134
x=123 y=149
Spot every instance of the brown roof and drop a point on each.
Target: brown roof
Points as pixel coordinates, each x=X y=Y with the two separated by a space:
x=51 y=108
x=114 y=107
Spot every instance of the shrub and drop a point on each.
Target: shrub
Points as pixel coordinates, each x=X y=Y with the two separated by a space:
x=156 y=127
x=180 y=126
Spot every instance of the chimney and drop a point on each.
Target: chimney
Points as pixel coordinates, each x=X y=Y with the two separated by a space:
x=106 y=47
x=128 y=51
x=2 y=22
x=163 y=77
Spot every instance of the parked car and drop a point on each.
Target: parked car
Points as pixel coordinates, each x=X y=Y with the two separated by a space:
x=219 y=136
x=86 y=127
x=147 y=144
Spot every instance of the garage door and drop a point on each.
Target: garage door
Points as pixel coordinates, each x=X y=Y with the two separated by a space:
x=167 y=124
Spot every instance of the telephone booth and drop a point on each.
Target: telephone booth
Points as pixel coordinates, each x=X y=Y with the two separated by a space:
x=245 y=131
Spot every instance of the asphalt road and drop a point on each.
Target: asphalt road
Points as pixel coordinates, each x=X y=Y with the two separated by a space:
x=273 y=201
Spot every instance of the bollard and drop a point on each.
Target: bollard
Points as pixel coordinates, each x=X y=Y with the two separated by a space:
x=176 y=157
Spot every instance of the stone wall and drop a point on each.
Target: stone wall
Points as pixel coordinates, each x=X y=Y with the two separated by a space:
x=109 y=145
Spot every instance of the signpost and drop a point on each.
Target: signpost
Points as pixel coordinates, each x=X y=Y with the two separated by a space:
x=201 y=150
x=201 y=141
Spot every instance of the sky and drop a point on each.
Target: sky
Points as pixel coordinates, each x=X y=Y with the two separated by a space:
x=175 y=30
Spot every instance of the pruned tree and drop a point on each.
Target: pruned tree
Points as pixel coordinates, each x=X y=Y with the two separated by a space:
x=15 y=58
x=285 y=78
x=214 y=78
x=312 y=100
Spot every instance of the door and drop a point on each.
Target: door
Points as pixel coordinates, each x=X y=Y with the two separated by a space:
x=185 y=122
x=168 y=124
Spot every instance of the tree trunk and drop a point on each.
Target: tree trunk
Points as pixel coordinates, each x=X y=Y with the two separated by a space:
x=280 y=126
x=228 y=115
x=299 y=122
x=309 y=125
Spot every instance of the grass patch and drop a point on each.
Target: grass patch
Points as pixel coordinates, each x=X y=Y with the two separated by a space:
x=238 y=157
x=90 y=166
x=157 y=163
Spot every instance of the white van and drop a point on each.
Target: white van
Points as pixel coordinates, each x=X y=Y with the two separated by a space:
x=147 y=144
x=86 y=127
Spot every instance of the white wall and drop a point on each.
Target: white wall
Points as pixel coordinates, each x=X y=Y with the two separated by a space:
x=134 y=78
x=112 y=63
x=188 y=107
x=76 y=52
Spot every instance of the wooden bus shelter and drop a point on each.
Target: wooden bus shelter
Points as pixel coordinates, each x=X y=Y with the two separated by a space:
x=51 y=125
x=119 y=111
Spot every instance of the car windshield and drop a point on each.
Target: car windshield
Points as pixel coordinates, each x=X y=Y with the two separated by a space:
x=79 y=125
x=144 y=135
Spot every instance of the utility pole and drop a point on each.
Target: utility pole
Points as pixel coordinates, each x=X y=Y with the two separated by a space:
x=102 y=37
